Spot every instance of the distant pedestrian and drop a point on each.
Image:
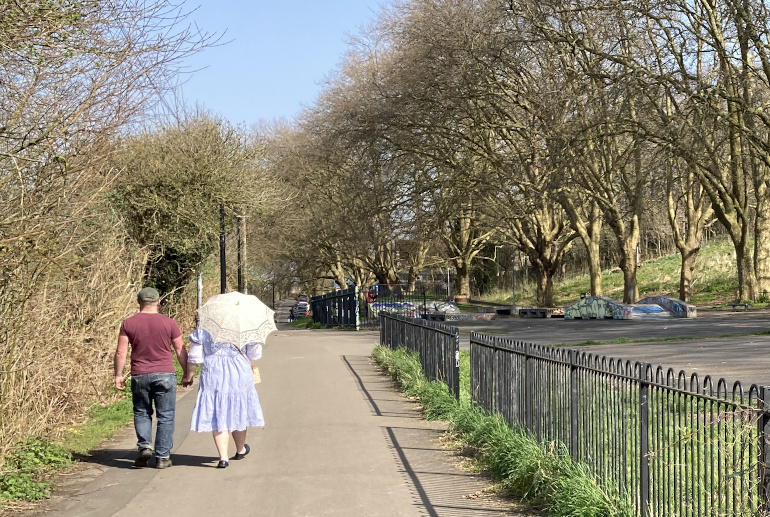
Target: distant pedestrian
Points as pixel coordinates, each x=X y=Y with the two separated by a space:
x=152 y=336
x=291 y=315
x=371 y=297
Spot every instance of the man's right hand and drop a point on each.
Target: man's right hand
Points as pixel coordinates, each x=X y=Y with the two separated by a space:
x=120 y=382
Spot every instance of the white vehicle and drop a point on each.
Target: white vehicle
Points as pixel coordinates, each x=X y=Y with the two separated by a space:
x=302 y=309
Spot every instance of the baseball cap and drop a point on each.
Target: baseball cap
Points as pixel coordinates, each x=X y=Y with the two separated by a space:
x=148 y=294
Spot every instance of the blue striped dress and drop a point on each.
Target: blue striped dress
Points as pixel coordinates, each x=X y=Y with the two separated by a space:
x=227 y=398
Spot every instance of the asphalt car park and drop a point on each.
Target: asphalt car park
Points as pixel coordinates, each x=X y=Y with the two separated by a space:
x=716 y=343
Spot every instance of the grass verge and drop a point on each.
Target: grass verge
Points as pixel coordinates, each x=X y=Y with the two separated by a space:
x=539 y=474
x=27 y=472
x=661 y=339
x=305 y=322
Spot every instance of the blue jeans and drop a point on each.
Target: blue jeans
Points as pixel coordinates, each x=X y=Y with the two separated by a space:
x=160 y=389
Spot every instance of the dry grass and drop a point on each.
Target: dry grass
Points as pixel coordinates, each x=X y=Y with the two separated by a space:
x=56 y=352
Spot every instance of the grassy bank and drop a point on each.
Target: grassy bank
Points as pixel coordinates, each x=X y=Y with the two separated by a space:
x=28 y=471
x=542 y=475
x=714 y=282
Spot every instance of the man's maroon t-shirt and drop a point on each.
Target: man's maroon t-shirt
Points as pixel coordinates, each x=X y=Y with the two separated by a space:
x=150 y=335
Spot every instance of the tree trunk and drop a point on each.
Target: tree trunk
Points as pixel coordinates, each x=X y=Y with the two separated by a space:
x=630 y=289
x=745 y=263
x=544 y=295
x=594 y=267
x=628 y=264
x=417 y=263
x=381 y=278
x=686 y=200
x=592 y=247
x=394 y=282
x=463 y=282
x=685 y=276
x=339 y=275
x=464 y=239
x=589 y=229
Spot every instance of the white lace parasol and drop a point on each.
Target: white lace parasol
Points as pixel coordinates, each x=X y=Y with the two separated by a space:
x=236 y=318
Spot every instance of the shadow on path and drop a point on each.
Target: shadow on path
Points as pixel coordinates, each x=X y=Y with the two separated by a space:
x=124 y=459
x=439 y=487
x=371 y=380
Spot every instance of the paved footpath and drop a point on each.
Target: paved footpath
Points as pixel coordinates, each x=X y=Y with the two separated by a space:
x=339 y=440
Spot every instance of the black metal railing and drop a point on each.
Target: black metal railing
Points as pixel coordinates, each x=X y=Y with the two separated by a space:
x=326 y=309
x=338 y=308
x=673 y=444
x=398 y=300
x=437 y=344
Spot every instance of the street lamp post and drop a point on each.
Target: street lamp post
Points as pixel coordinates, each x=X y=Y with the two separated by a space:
x=241 y=252
x=497 y=266
x=513 y=284
x=199 y=289
x=222 y=256
x=272 y=284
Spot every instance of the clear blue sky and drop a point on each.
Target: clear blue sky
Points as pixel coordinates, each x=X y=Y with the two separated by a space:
x=280 y=53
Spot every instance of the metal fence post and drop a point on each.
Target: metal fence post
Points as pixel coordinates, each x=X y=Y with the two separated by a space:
x=764 y=449
x=404 y=332
x=388 y=329
x=644 y=441
x=574 y=403
x=528 y=386
x=456 y=372
x=494 y=374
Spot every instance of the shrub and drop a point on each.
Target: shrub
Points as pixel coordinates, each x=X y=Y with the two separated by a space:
x=26 y=467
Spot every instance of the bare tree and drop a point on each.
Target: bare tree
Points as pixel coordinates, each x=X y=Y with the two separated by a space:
x=710 y=61
x=74 y=75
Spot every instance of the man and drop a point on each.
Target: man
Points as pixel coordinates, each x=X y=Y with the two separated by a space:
x=153 y=379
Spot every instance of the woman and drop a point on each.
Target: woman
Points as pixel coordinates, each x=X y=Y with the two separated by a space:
x=227 y=399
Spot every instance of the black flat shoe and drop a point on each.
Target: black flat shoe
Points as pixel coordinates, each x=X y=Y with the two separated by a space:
x=222 y=464
x=239 y=456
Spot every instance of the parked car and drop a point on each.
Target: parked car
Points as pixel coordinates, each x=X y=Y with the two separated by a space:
x=302 y=298
x=302 y=309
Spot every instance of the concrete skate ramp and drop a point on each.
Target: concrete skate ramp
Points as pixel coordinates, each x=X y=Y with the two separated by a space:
x=597 y=307
x=676 y=307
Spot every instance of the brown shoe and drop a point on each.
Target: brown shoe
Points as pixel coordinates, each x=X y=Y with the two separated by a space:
x=143 y=458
